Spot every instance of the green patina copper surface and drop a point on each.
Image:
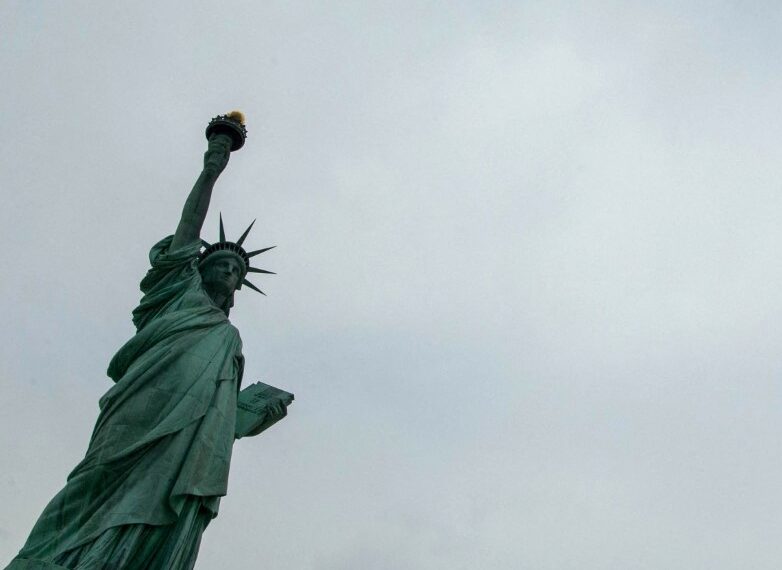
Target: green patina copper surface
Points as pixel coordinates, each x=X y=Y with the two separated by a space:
x=157 y=463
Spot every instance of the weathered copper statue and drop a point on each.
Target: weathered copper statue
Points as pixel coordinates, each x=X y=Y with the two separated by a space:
x=157 y=463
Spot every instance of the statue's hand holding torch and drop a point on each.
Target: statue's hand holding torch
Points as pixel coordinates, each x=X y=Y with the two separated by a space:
x=217 y=154
x=225 y=133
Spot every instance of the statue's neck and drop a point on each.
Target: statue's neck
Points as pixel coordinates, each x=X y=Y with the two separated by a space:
x=219 y=298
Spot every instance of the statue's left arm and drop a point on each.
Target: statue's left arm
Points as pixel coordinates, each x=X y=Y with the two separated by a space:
x=197 y=204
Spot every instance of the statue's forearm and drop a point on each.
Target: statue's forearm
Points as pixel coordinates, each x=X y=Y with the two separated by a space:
x=194 y=212
x=197 y=204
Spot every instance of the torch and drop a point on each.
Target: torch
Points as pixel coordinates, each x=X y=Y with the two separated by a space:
x=231 y=125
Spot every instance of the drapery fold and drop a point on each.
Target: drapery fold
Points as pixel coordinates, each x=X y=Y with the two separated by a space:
x=163 y=438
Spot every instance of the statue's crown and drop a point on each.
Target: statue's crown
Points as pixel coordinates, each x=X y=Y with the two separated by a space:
x=235 y=248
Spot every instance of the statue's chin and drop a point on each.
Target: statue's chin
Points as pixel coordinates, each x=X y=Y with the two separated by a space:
x=218 y=291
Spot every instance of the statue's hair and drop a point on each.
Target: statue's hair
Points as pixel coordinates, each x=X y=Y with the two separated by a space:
x=216 y=255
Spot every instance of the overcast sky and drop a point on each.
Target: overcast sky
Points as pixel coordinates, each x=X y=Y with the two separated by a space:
x=528 y=291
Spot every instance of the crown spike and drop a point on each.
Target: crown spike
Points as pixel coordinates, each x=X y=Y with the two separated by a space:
x=240 y=241
x=235 y=248
x=258 y=251
x=253 y=287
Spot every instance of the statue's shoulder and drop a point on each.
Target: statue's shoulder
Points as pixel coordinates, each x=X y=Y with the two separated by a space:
x=161 y=254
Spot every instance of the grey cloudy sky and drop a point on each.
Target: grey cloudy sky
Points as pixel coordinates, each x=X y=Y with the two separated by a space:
x=528 y=269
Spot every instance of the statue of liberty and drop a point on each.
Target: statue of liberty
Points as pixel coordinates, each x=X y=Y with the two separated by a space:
x=158 y=459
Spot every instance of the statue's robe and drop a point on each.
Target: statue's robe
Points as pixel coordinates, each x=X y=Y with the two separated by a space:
x=158 y=460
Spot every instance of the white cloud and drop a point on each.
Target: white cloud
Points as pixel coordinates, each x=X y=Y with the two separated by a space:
x=526 y=270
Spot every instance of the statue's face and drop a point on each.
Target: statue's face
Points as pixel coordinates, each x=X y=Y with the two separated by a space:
x=222 y=273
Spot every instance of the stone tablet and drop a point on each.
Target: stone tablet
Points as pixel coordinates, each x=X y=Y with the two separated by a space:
x=259 y=407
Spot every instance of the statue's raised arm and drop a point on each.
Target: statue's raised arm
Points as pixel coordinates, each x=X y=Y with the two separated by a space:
x=197 y=204
x=225 y=134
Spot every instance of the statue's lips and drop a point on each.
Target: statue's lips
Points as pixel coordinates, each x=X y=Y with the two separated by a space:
x=229 y=282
